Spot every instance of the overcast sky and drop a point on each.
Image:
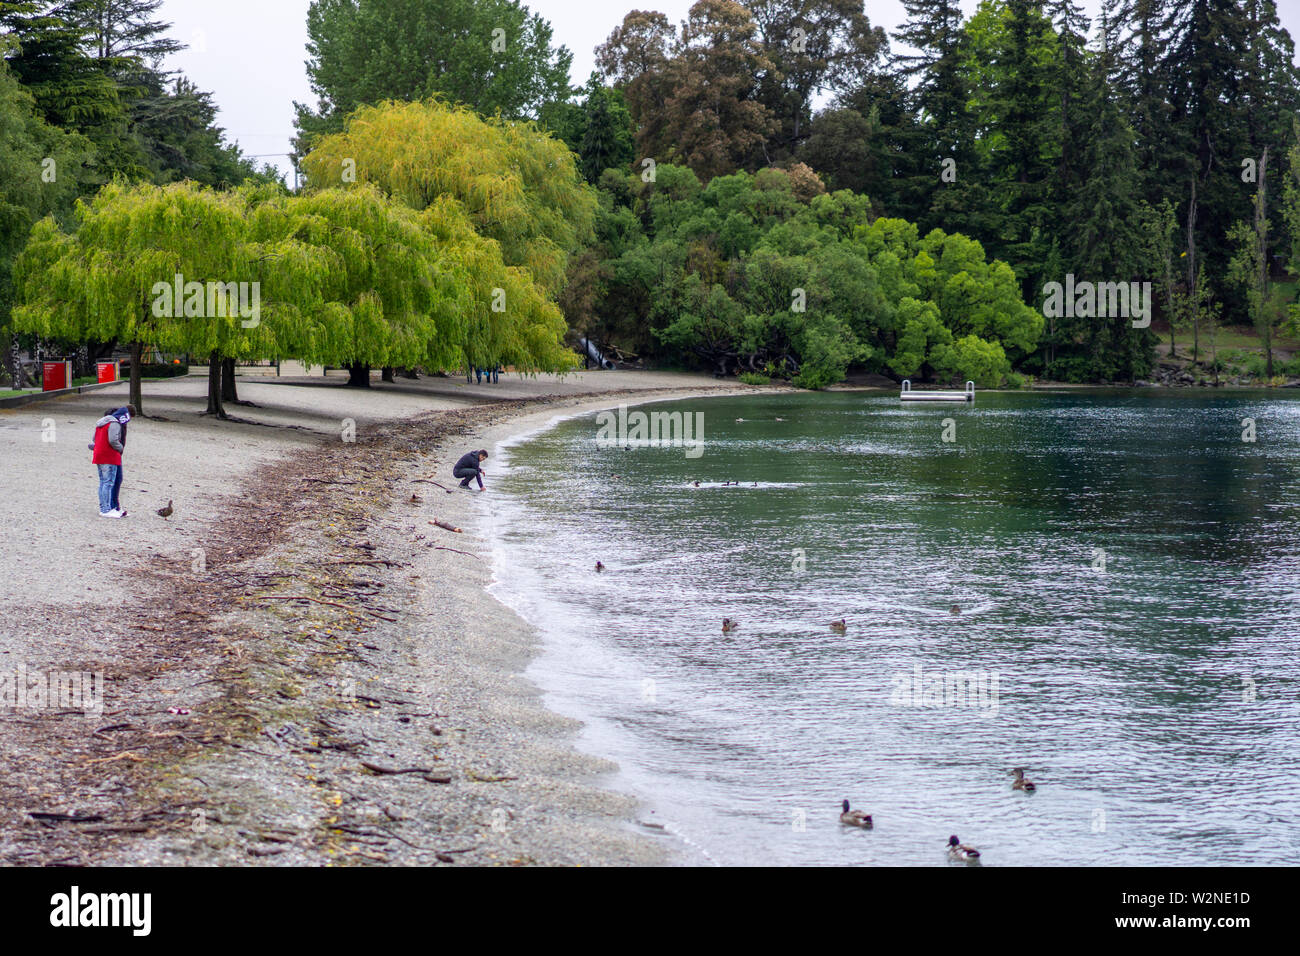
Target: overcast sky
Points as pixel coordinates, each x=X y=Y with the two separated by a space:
x=251 y=53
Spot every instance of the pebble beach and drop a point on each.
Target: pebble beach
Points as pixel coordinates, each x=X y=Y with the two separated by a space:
x=299 y=666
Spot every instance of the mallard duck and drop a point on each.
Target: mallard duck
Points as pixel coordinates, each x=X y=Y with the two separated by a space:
x=954 y=610
x=839 y=626
x=599 y=567
x=1020 y=783
x=166 y=512
x=697 y=484
x=854 y=818
x=960 y=851
x=728 y=625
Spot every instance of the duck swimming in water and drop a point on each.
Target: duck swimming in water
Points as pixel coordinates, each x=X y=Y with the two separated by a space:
x=1020 y=783
x=954 y=610
x=728 y=625
x=854 y=818
x=960 y=851
x=599 y=566
x=839 y=626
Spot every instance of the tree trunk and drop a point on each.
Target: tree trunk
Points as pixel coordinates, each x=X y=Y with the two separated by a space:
x=214 y=386
x=1191 y=272
x=81 y=361
x=1264 y=321
x=137 y=356
x=228 y=391
x=387 y=374
x=14 y=358
x=359 y=375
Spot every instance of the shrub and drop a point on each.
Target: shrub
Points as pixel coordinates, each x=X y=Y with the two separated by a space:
x=972 y=358
x=753 y=378
x=813 y=377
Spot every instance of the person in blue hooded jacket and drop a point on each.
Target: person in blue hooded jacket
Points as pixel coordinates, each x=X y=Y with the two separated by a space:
x=106 y=454
x=470 y=467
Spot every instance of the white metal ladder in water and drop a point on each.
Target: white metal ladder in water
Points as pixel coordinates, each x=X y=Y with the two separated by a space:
x=907 y=395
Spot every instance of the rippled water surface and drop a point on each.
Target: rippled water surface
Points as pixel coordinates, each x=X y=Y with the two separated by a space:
x=1154 y=701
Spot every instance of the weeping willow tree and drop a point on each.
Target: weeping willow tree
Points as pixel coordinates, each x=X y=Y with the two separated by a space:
x=519 y=186
x=385 y=291
x=168 y=267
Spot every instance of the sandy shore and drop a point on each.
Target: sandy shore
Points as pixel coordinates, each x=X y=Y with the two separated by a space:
x=384 y=721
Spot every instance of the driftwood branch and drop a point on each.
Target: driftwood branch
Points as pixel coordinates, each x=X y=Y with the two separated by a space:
x=466 y=553
x=377 y=768
x=430 y=481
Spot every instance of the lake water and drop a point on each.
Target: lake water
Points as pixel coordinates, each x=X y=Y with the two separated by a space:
x=1127 y=570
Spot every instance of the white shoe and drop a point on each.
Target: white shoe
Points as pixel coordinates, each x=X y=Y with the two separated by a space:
x=110 y=514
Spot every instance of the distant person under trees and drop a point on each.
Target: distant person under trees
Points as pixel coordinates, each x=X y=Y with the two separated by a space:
x=468 y=468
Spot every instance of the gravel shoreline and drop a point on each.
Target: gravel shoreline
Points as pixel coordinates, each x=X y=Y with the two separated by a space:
x=383 y=722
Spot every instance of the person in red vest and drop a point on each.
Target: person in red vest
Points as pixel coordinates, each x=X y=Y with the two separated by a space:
x=110 y=441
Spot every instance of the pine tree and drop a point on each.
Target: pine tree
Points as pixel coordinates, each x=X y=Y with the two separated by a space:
x=934 y=30
x=1108 y=241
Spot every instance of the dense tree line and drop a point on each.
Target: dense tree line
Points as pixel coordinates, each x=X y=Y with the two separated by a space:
x=768 y=275
x=1062 y=140
x=1129 y=149
x=775 y=187
x=84 y=98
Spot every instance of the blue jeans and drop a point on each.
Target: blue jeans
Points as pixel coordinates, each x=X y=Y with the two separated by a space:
x=110 y=481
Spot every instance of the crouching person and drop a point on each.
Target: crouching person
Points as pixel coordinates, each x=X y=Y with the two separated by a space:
x=470 y=467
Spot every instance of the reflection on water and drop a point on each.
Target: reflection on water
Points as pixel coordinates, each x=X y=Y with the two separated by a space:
x=1125 y=572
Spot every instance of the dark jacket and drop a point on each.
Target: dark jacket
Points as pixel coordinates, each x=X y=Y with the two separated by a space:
x=468 y=461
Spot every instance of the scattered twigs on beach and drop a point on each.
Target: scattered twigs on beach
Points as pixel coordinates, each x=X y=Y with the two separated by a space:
x=466 y=553
x=378 y=563
x=305 y=597
x=329 y=481
x=445 y=526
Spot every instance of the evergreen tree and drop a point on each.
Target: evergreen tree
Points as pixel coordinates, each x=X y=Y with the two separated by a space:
x=940 y=95
x=1108 y=239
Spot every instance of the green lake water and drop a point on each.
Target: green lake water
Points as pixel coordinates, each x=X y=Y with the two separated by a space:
x=1127 y=571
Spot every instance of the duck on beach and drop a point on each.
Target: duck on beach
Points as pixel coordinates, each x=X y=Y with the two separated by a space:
x=1020 y=783
x=854 y=818
x=839 y=626
x=728 y=625
x=960 y=851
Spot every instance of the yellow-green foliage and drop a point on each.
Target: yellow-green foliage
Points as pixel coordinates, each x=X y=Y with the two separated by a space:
x=520 y=186
x=345 y=276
